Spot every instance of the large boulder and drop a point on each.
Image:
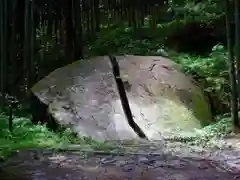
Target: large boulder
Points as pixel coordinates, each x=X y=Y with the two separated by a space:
x=84 y=97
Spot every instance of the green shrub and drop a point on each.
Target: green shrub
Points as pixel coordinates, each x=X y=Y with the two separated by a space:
x=27 y=135
x=212 y=71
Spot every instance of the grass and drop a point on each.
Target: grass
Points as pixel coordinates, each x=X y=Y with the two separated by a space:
x=27 y=135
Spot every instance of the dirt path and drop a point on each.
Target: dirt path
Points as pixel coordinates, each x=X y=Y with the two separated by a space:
x=145 y=161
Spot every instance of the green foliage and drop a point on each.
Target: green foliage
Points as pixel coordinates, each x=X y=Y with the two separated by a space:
x=121 y=41
x=218 y=130
x=206 y=136
x=198 y=11
x=212 y=71
x=27 y=135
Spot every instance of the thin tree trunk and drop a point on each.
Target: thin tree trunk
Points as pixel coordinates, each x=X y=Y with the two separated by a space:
x=78 y=29
x=4 y=50
x=231 y=61
x=69 y=30
x=27 y=58
x=97 y=15
x=237 y=51
x=33 y=61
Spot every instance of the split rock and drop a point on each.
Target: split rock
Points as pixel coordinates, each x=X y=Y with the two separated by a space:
x=84 y=97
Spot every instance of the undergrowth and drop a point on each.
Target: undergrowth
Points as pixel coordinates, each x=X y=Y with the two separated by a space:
x=211 y=72
x=205 y=136
x=27 y=135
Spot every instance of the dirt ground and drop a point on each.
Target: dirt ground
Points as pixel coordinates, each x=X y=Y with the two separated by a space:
x=144 y=161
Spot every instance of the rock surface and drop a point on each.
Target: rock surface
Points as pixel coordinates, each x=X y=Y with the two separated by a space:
x=162 y=98
x=84 y=96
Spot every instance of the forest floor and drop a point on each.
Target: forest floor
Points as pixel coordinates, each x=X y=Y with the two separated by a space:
x=162 y=160
x=34 y=152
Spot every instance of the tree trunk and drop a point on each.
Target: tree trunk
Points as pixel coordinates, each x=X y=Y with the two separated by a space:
x=68 y=30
